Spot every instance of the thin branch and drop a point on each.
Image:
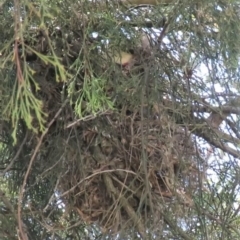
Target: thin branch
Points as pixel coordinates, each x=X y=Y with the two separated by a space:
x=17 y=24
x=15 y=157
x=232 y=125
x=216 y=143
x=10 y=207
x=92 y=175
x=22 y=189
x=178 y=231
x=223 y=109
x=163 y=32
x=88 y=118
x=207 y=129
x=7 y=203
x=127 y=207
x=146 y=24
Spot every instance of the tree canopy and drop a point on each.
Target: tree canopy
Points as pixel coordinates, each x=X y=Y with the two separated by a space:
x=119 y=119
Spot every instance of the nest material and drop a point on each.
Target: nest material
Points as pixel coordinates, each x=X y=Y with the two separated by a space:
x=124 y=166
x=120 y=166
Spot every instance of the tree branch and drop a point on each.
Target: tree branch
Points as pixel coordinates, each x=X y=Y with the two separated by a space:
x=207 y=135
x=206 y=128
x=178 y=231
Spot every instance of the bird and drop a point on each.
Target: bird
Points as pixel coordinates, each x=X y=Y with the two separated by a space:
x=122 y=58
x=129 y=58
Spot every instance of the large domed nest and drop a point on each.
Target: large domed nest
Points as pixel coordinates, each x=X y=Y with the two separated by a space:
x=118 y=166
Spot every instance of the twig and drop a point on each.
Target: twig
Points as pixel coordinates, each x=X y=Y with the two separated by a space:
x=17 y=23
x=29 y=168
x=232 y=125
x=87 y=118
x=52 y=197
x=147 y=24
x=10 y=207
x=163 y=32
x=127 y=207
x=178 y=231
x=217 y=110
x=15 y=157
x=92 y=175
x=216 y=143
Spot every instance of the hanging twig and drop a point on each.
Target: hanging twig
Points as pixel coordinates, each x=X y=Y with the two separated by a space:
x=22 y=189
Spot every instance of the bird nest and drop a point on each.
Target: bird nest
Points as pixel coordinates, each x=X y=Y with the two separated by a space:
x=122 y=166
x=126 y=167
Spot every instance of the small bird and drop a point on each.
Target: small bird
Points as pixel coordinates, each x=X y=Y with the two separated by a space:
x=127 y=58
x=122 y=58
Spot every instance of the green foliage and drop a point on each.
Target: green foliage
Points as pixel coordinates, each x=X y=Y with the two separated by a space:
x=93 y=96
x=106 y=148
